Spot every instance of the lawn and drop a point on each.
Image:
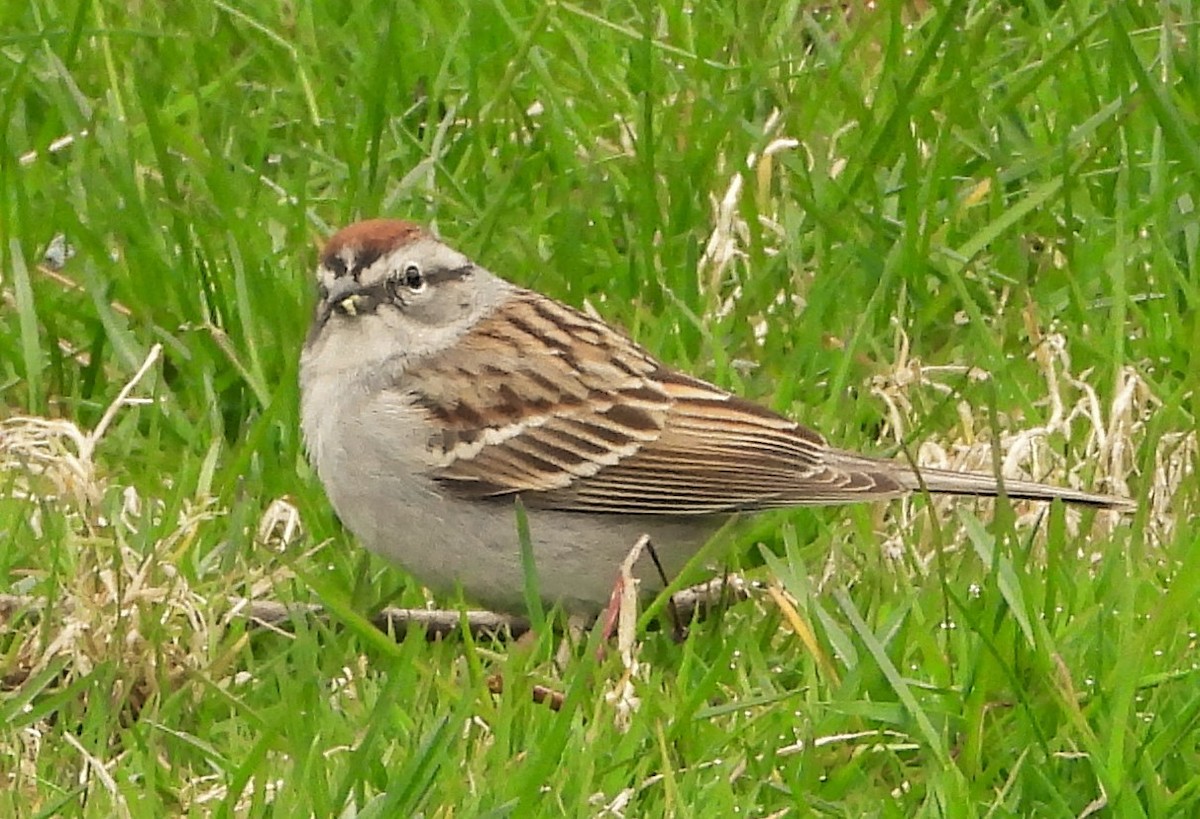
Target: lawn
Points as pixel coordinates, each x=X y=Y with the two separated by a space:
x=961 y=232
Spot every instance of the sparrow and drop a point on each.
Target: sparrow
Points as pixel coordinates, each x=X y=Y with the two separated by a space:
x=435 y=394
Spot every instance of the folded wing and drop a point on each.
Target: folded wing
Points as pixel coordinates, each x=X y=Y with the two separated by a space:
x=593 y=423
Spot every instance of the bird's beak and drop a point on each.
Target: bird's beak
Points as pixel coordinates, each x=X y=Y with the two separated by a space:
x=344 y=293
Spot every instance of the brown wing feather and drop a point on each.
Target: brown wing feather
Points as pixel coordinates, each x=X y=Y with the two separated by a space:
x=611 y=430
x=720 y=453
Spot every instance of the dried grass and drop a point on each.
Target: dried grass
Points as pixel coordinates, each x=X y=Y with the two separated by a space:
x=124 y=604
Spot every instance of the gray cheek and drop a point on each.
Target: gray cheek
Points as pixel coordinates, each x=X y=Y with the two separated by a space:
x=423 y=314
x=444 y=311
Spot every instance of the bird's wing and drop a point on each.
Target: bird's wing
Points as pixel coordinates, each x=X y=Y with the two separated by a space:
x=545 y=402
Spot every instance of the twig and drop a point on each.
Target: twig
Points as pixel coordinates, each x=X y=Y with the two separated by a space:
x=121 y=400
x=437 y=624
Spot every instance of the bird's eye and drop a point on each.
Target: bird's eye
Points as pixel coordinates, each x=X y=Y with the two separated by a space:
x=413 y=279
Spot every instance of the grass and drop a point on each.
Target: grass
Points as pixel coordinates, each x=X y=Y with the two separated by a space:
x=929 y=227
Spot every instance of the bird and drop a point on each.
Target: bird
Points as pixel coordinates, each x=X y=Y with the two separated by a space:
x=435 y=394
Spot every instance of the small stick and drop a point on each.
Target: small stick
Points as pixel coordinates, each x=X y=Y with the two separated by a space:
x=437 y=623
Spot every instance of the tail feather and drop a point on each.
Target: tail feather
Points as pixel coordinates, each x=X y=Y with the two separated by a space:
x=948 y=482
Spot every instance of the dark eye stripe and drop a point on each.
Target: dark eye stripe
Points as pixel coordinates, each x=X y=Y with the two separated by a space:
x=445 y=274
x=384 y=291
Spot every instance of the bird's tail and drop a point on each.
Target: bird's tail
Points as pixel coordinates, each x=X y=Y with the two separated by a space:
x=948 y=482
